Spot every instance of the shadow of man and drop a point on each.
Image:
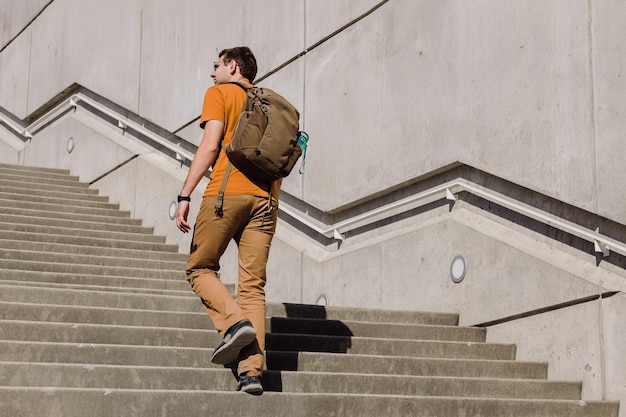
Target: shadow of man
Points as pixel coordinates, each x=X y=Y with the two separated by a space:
x=305 y=328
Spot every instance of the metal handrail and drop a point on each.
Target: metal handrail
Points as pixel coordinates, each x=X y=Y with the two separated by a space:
x=19 y=130
x=602 y=244
x=125 y=122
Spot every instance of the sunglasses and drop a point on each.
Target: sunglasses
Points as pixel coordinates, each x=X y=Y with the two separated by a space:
x=216 y=65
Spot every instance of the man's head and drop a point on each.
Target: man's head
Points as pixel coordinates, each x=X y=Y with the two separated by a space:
x=233 y=61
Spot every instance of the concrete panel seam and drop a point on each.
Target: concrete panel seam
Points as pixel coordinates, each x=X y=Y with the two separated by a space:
x=602 y=346
x=592 y=99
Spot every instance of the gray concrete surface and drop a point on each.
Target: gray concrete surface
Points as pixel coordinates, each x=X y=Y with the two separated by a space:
x=15 y=15
x=585 y=340
x=529 y=92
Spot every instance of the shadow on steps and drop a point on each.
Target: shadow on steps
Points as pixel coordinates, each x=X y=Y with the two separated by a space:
x=305 y=329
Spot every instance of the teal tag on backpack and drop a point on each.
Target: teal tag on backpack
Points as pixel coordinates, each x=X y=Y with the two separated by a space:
x=303 y=139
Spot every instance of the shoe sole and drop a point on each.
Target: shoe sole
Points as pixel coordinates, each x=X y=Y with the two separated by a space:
x=254 y=389
x=228 y=352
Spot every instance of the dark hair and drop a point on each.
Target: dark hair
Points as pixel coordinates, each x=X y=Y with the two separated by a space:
x=244 y=58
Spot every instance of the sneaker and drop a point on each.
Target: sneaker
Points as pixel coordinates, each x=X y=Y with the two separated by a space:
x=237 y=337
x=250 y=384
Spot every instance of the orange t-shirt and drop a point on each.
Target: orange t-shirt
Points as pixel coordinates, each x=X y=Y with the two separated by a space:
x=224 y=102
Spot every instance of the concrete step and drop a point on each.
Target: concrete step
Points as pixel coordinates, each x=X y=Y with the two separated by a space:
x=43 y=280
x=71 y=268
x=400 y=365
x=74 y=402
x=104 y=315
x=306 y=311
x=58 y=248
x=28 y=185
x=60 y=233
x=72 y=215
x=388 y=347
x=63 y=180
x=165 y=289
x=87 y=195
x=32 y=171
x=172 y=378
x=71 y=225
x=383 y=330
x=125 y=300
x=199 y=320
x=162 y=336
x=11 y=205
x=100 y=203
x=58 y=183
x=200 y=357
x=109 y=224
x=107 y=299
x=90 y=260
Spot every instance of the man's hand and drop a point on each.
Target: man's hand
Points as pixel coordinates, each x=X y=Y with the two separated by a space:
x=181 y=217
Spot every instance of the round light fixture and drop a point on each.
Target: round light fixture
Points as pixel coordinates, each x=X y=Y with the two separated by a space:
x=70 y=144
x=458 y=267
x=322 y=300
x=172 y=210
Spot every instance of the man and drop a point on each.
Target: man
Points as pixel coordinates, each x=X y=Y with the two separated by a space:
x=247 y=217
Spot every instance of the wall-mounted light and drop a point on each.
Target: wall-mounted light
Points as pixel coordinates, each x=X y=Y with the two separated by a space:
x=172 y=210
x=458 y=267
x=322 y=300
x=70 y=144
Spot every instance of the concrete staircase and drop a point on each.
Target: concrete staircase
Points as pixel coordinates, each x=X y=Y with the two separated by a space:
x=96 y=319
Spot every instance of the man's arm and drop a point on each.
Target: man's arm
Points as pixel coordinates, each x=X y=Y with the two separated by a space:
x=205 y=157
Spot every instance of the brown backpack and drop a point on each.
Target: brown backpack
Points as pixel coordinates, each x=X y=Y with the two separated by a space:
x=266 y=144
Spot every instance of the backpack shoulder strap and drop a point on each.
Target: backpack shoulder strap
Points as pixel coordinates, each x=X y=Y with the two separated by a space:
x=219 y=204
x=245 y=88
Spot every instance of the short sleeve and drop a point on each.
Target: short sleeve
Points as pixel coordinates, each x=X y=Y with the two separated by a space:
x=213 y=107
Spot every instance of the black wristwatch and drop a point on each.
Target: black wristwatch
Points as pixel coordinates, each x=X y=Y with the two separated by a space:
x=184 y=198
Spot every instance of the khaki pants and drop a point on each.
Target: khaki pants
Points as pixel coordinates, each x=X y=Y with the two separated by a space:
x=248 y=220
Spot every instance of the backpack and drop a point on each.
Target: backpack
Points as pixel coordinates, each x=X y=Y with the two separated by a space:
x=266 y=143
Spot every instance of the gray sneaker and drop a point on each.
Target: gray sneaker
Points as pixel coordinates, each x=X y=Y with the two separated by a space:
x=237 y=337
x=250 y=384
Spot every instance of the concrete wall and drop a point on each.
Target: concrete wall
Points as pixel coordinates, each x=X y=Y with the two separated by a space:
x=587 y=340
x=529 y=91
x=15 y=15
